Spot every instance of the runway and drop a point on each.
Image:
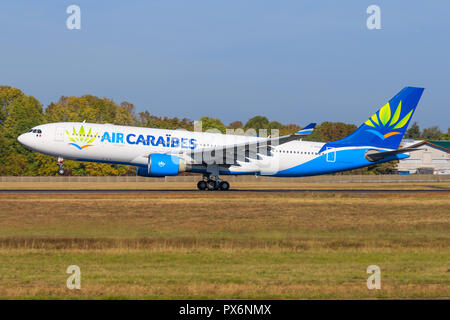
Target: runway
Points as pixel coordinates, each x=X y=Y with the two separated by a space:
x=131 y=191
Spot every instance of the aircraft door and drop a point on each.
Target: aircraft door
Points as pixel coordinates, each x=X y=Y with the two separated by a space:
x=331 y=155
x=59 y=134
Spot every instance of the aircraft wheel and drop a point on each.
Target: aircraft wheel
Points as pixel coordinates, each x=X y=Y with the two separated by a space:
x=224 y=186
x=201 y=185
x=211 y=184
x=61 y=171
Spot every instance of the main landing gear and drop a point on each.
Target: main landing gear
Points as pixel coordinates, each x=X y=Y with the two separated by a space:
x=61 y=166
x=212 y=184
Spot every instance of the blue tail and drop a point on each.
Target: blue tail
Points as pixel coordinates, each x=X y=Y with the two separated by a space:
x=385 y=129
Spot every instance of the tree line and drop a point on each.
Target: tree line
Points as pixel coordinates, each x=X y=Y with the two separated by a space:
x=19 y=113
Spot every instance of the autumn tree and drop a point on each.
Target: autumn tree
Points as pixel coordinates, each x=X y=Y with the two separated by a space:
x=211 y=123
x=432 y=133
x=235 y=125
x=445 y=136
x=145 y=119
x=289 y=129
x=413 y=131
x=257 y=123
x=332 y=131
x=19 y=113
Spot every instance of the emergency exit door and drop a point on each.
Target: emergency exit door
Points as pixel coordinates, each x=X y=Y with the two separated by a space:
x=59 y=134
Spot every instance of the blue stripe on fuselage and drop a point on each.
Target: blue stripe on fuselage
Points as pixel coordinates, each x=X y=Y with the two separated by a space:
x=347 y=159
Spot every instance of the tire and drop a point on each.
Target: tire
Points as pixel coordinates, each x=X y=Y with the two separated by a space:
x=224 y=186
x=211 y=184
x=61 y=172
x=201 y=185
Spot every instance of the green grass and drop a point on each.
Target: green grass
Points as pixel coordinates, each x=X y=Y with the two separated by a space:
x=267 y=246
x=227 y=274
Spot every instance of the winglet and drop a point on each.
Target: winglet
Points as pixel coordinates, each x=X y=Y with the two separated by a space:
x=307 y=130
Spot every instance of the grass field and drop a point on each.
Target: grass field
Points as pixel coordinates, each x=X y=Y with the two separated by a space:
x=226 y=245
x=284 y=184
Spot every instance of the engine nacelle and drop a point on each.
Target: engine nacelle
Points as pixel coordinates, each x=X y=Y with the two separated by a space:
x=161 y=165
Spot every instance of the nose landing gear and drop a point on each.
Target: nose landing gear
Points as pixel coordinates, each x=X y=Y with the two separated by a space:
x=212 y=184
x=61 y=166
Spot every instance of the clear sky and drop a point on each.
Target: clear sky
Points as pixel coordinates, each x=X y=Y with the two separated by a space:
x=292 y=61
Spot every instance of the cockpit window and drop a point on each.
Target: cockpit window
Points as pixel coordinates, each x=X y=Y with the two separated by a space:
x=34 y=130
x=39 y=131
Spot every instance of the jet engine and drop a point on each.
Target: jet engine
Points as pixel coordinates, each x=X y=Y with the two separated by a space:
x=161 y=165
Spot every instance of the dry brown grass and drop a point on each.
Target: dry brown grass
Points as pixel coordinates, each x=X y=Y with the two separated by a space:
x=225 y=245
x=277 y=184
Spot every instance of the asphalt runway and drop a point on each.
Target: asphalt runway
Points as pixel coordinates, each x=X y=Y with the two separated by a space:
x=130 y=191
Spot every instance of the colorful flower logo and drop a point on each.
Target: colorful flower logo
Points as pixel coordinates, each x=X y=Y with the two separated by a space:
x=383 y=121
x=80 y=139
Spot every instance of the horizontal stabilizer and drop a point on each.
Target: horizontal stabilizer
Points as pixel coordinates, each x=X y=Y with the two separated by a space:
x=374 y=155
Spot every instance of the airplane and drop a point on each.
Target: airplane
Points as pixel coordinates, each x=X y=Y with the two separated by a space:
x=160 y=152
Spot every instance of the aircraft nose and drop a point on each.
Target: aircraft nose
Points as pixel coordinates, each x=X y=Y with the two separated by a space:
x=23 y=139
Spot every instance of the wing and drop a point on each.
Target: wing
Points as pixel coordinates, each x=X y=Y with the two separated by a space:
x=229 y=154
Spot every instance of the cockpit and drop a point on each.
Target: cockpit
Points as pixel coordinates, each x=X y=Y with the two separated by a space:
x=36 y=132
x=31 y=137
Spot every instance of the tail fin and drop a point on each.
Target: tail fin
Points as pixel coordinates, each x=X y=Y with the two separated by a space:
x=385 y=129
